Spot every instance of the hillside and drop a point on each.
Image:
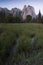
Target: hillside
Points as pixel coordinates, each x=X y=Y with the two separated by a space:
x=16 y=47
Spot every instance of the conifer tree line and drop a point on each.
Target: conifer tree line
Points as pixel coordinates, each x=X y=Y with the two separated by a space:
x=18 y=19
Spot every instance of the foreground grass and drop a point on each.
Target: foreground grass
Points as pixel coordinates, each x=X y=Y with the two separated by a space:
x=26 y=54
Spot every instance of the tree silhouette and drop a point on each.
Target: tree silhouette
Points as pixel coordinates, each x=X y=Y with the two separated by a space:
x=28 y=18
x=39 y=17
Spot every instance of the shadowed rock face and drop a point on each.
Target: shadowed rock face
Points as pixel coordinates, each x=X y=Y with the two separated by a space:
x=28 y=10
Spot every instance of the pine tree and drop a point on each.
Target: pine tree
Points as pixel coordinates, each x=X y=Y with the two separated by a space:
x=39 y=17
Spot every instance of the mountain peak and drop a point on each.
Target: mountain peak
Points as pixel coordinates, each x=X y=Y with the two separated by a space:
x=28 y=10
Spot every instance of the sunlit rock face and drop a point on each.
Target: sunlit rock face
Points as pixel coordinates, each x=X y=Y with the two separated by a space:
x=16 y=12
x=28 y=10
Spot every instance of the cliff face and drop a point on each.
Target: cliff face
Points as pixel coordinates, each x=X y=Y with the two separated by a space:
x=28 y=10
x=16 y=11
x=5 y=11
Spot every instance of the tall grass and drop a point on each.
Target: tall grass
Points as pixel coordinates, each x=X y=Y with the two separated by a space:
x=26 y=52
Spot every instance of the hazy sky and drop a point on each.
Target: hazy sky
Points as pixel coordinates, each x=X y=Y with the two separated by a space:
x=37 y=4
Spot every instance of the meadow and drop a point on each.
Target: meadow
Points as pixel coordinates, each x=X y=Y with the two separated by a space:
x=27 y=54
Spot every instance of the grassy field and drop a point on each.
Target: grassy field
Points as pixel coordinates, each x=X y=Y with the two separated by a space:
x=26 y=54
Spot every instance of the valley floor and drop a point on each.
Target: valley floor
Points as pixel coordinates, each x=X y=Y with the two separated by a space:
x=25 y=40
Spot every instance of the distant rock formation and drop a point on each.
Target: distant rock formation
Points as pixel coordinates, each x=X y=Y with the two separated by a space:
x=5 y=11
x=16 y=11
x=28 y=10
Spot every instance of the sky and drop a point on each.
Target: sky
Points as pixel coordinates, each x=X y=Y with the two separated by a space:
x=37 y=4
